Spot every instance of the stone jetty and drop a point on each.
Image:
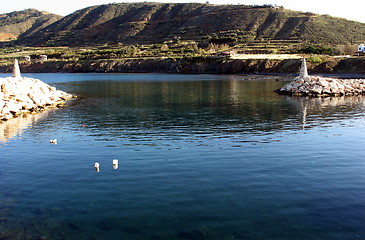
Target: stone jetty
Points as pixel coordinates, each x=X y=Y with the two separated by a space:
x=23 y=95
x=316 y=86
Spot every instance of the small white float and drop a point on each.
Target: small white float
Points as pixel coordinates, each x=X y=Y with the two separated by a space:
x=97 y=166
x=115 y=164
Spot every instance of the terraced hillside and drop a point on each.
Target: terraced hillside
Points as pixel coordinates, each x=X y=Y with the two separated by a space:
x=140 y=23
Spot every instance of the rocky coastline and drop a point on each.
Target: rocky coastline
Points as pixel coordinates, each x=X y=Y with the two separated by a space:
x=194 y=65
x=20 y=95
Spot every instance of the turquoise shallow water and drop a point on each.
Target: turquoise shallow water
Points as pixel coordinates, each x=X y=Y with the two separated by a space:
x=200 y=157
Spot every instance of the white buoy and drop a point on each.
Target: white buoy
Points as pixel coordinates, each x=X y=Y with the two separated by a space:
x=115 y=164
x=53 y=141
x=96 y=166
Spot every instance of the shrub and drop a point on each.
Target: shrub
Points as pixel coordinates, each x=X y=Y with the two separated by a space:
x=223 y=40
x=314 y=59
x=316 y=50
x=164 y=47
x=188 y=50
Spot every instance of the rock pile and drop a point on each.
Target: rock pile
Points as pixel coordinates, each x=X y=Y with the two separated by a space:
x=305 y=85
x=20 y=95
x=320 y=86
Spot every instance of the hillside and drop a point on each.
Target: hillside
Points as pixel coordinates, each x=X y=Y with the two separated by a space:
x=30 y=20
x=139 y=23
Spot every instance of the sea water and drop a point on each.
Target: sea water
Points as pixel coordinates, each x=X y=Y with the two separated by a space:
x=200 y=157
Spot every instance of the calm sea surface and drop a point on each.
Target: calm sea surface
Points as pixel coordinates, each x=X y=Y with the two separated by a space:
x=200 y=157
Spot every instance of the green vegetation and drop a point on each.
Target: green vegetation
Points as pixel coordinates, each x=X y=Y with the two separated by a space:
x=317 y=50
x=169 y=49
x=186 y=49
x=223 y=40
x=315 y=59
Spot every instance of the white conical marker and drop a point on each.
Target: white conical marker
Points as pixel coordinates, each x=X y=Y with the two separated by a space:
x=303 y=70
x=96 y=166
x=16 y=70
x=115 y=164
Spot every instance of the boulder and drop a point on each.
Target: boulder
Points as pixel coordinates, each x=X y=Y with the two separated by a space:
x=316 y=89
x=13 y=107
x=323 y=83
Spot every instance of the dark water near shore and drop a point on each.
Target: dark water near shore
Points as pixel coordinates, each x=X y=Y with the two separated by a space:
x=200 y=157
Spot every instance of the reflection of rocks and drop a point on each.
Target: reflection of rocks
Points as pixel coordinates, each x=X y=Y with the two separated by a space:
x=20 y=94
x=318 y=104
x=329 y=108
x=15 y=126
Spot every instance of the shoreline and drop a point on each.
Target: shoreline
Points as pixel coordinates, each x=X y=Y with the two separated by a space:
x=349 y=66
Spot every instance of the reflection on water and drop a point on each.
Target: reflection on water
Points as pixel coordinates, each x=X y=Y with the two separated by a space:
x=199 y=157
x=15 y=126
x=194 y=107
x=205 y=107
x=324 y=110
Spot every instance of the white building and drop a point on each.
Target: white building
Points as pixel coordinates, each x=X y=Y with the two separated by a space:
x=43 y=57
x=361 y=48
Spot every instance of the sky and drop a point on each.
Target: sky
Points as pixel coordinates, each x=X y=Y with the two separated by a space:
x=351 y=9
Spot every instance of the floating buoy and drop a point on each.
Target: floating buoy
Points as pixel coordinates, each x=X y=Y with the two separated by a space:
x=53 y=141
x=96 y=166
x=83 y=125
x=115 y=164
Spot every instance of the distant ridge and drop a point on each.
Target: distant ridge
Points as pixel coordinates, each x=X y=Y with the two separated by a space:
x=15 y=23
x=138 y=23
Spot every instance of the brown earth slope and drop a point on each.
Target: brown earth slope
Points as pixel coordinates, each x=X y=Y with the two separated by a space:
x=29 y=20
x=157 y=22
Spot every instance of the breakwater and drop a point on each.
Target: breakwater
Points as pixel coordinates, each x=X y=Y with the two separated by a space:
x=305 y=85
x=20 y=95
x=319 y=86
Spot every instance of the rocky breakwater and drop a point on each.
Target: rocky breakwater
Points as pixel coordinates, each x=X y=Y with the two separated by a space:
x=319 y=86
x=23 y=95
x=305 y=85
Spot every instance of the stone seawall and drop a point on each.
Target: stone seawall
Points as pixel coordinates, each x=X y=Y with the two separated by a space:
x=23 y=95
